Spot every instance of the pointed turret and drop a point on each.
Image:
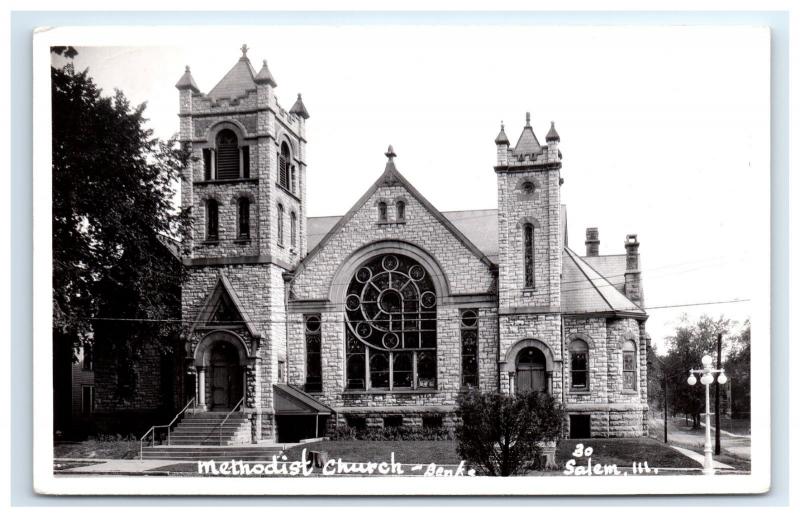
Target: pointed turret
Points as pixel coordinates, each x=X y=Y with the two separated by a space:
x=502 y=139
x=527 y=145
x=264 y=76
x=552 y=134
x=187 y=81
x=299 y=108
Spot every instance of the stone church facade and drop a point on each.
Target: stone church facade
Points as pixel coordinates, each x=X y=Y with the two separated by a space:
x=384 y=315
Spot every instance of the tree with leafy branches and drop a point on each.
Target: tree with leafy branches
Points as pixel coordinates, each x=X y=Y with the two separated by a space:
x=503 y=435
x=113 y=218
x=685 y=350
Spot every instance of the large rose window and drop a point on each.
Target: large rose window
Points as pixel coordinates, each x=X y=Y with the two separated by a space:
x=391 y=325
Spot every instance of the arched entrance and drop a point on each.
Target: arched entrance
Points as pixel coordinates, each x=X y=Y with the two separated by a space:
x=532 y=375
x=225 y=376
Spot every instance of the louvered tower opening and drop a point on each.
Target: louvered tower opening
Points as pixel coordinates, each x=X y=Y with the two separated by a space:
x=227 y=154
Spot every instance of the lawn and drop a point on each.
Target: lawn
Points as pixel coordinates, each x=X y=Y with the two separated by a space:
x=412 y=452
x=622 y=452
x=97 y=449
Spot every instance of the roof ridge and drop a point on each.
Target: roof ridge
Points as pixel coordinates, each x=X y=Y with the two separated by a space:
x=391 y=176
x=578 y=265
x=609 y=285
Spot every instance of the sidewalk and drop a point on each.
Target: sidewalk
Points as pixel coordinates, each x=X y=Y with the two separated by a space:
x=700 y=458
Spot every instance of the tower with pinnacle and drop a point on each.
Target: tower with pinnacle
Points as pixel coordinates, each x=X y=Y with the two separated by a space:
x=245 y=188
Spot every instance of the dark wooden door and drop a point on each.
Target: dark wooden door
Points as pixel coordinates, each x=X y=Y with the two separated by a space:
x=531 y=371
x=226 y=378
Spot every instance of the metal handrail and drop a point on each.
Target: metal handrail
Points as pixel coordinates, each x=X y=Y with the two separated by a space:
x=219 y=428
x=167 y=426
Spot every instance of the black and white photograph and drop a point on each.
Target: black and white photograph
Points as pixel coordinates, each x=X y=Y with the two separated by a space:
x=398 y=259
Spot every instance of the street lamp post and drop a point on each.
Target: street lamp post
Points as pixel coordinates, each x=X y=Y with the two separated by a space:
x=707 y=378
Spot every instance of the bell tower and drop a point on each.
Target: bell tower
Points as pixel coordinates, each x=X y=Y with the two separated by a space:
x=246 y=181
x=529 y=216
x=245 y=187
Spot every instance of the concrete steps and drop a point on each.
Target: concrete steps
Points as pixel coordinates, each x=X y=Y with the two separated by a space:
x=198 y=429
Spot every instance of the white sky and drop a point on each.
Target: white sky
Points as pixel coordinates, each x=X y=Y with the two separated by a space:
x=664 y=131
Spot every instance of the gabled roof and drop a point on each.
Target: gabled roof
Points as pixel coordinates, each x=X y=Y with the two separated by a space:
x=479 y=225
x=611 y=266
x=391 y=177
x=236 y=83
x=527 y=145
x=223 y=295
x=291 y=400
x=584 y=290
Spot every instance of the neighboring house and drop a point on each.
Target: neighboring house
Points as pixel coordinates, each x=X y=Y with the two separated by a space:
x=384 y=315
x=83 y=391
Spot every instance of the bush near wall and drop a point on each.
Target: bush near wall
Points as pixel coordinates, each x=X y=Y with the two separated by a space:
x=402 y=433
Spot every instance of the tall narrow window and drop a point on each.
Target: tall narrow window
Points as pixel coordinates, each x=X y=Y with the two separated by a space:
x=383 y=214
x=529 y=258
x=284 y=166
x=206 y=164
x=245 y=161
x=227 y=155
x=293 y=230
x=579 y=365
x=280 y=225
x=469 y=348
x=629 y=365
x=293 y=180
x=212 y=221
x=313 y=327
x=244 y=219
x=401 y=211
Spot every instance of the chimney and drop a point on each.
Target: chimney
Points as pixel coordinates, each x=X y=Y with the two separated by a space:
x=633 y=276
x=592 y=242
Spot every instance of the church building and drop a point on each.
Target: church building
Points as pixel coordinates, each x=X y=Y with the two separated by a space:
x=383 y=316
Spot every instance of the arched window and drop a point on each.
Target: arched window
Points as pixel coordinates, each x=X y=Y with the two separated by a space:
x=284 y=166
x=280 y=225
x=383 y=214
x=227 y=155
x=293 y=229
x=579 y=365
x=390 y=311
x=401 y=210
x=244 y=218
x=531 y=371
x=528 y=255
x=629 y=365
x=212 y=221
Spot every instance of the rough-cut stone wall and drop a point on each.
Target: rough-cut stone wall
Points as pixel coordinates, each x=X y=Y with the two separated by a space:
x=545 y=328
x=148 y=393
x=542 y=208
x=259 y=288
x=463 y=270
x=593 y=332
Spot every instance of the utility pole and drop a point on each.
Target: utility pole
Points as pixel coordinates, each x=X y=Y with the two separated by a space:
x=666 y=407
x=717 y=449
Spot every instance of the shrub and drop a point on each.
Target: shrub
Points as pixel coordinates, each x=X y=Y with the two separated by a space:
x=400 y=433
x=502 y=435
